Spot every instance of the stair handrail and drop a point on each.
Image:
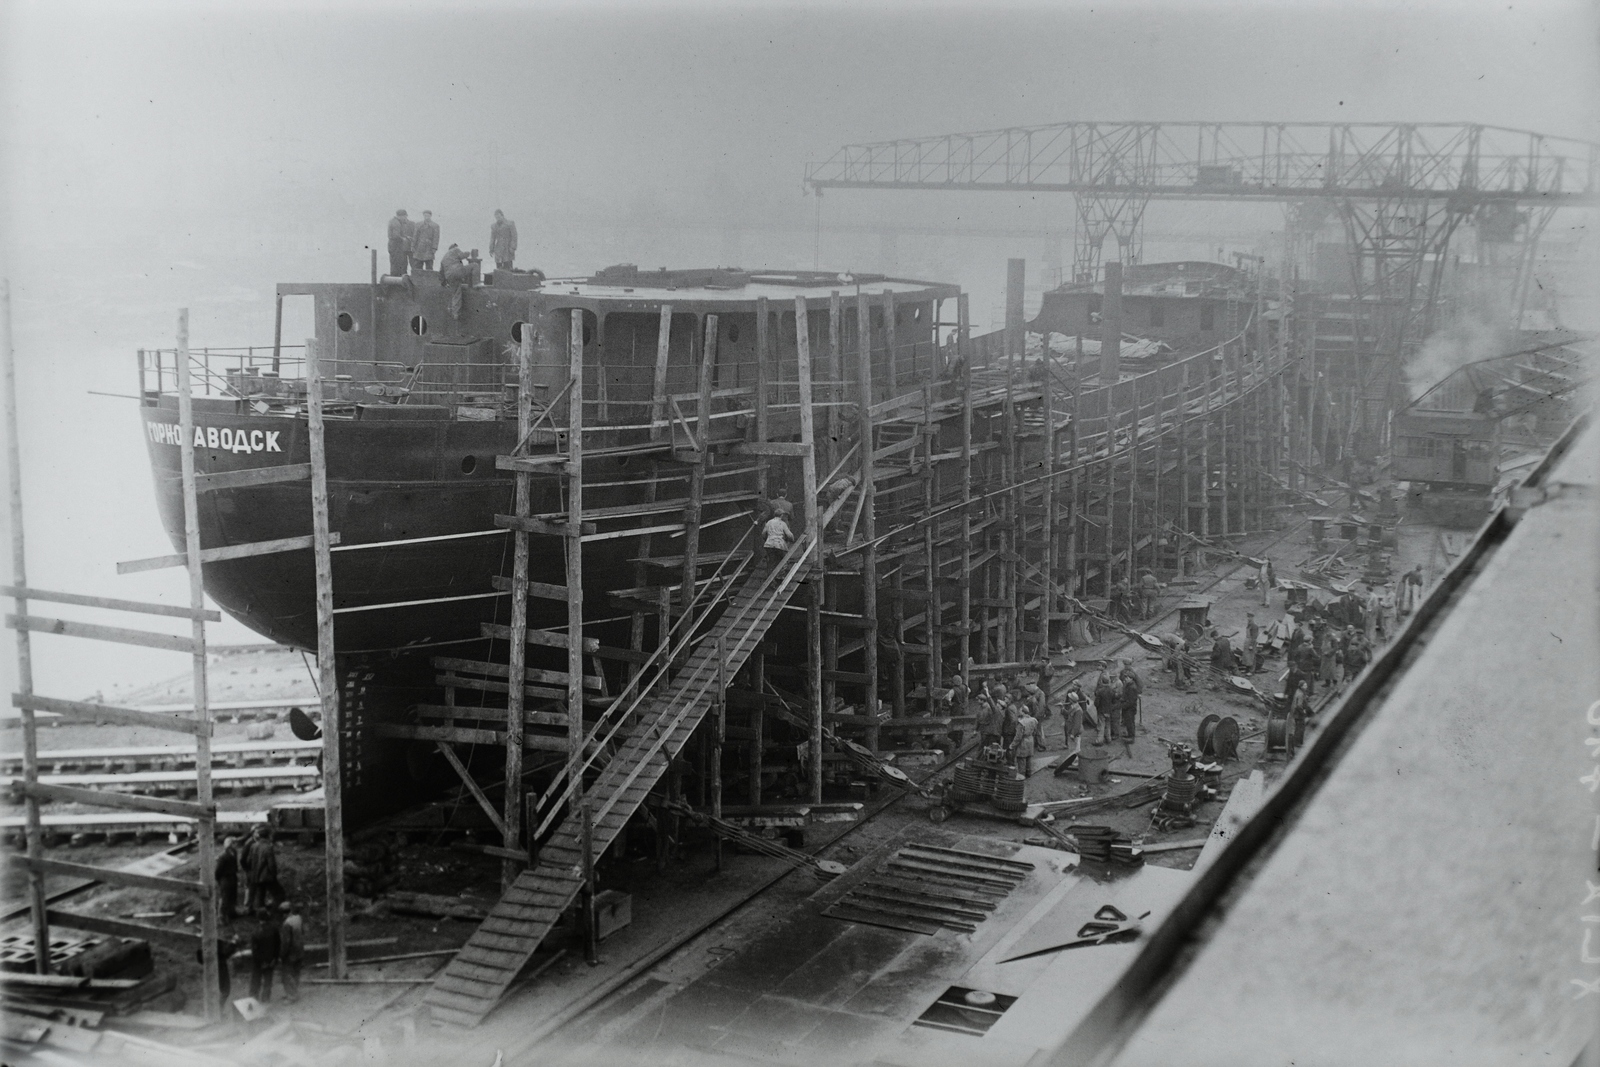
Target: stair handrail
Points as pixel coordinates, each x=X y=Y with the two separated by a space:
x=663 y=655
x=800 y=554
x=637 y=689
x=702 y=679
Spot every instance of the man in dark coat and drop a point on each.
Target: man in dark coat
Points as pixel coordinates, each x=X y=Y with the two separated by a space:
x=1107 y=701
x=503 y=241
x=1132 y=687
x=227 y=874
x=424 y=243
x=261 y=873
x=266 y=944
x=401 y=232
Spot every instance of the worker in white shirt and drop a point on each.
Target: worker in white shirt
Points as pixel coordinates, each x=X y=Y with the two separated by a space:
x=775 y=539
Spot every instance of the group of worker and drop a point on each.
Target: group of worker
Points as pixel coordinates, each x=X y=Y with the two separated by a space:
x=1010 y=716
x=1321 y=651
x=412 y=246
x=1117 y=702
x=1144 y=599
x=277 y=938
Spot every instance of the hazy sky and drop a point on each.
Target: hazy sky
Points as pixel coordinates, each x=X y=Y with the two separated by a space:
x=158 y=155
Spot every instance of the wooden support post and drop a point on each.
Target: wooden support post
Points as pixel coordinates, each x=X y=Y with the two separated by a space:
x=327 y=670
x=277 y=339
x=1133 y=487
x=964 y=356
x=933 y=610
x=818 y=578
x=719 y=735
x=206 y=825
x=869 y=519
x=1225 y=469
x=574 y=560
x=697 y=472
x=897 y=625
x=833 y=394
x=591 y=931
x=1010 y=543
x=1074 y=503
x=659 y=426
x=511 y=822
x=763 y=384
x=19 y=576
x=1205 y=462
x=890 y=342
x=1052 y=540
x=758 y=721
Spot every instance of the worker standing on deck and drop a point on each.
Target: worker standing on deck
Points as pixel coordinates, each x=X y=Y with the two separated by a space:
x=401 y=232
x=1149 y=594
x=1370 y=617
x=424 y=243
x=227 y=875
x=1264 y=579
x=1252 y=638
x=291 y=950
x=503 y=241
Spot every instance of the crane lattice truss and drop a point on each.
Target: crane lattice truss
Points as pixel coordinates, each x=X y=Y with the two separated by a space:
x=1400 y=188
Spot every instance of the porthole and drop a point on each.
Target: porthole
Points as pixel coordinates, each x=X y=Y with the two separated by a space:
x=469 y=464
x=419 y=325
x=346 y=322
x=516 y=331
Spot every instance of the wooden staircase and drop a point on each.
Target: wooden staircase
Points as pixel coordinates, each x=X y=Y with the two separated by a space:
x=480 y=973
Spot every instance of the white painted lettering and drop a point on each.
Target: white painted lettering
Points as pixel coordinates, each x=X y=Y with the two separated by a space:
x=226 y=439
x=255 y=441
x=241 y=442
x=200 y=436
x=272 y=441
x=213 y=438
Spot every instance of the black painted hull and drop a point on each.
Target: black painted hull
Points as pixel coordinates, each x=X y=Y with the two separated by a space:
x=388 y=481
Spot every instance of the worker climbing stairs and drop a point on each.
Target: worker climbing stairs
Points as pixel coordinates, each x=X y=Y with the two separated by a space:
x=641 y=747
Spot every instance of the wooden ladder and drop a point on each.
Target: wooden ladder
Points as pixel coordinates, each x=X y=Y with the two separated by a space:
x=480 y=973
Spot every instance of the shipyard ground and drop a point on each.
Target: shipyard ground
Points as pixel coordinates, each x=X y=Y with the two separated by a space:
x=687 y=920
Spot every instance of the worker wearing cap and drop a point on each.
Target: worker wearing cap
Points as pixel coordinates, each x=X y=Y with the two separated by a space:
x=1072 y=718
x=401 y=232
x=453 y=269
x=424 y=243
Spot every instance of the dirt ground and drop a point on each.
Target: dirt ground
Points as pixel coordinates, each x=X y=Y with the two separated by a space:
x=692 y=887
